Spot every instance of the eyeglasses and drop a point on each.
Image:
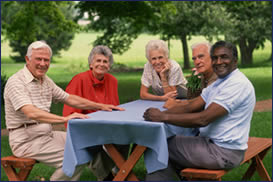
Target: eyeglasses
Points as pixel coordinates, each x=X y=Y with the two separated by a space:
x=223 y=57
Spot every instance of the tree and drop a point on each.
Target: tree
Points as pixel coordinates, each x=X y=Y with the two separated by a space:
x=245 y=23
x=120 y=21
x=252 y=26
x=28 y=21
x=187 y=18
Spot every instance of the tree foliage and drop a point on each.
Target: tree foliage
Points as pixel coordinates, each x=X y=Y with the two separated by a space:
x=252 y=26
x=245 y=23
x=28 y=21
x=120 y=21
x=184 y=19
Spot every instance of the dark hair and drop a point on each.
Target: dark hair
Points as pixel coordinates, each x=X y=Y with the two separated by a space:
x=227 y=45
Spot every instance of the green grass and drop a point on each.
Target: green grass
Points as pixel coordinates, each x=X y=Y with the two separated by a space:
x=261 y=78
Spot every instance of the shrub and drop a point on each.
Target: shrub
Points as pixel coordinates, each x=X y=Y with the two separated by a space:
x=4 y=79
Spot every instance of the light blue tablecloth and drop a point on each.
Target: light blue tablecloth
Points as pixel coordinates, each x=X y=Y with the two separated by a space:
x=120 y=127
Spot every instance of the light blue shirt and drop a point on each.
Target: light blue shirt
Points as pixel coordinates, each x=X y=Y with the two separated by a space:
x=236 y=94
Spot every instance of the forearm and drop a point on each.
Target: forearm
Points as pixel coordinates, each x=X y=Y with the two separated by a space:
x=148 y=96
x=187 y=120
x=196 y=119
x=39 y=115
x=187 y=106
x=145 y=95
x=165 y=84
x=178 y=109
x=168 y=88
x=81 y=103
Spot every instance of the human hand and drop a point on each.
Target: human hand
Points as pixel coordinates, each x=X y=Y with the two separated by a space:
x=109 y=107
x=153 y=114
x=76 y=115
x=165 y=70
x=169 y=103
x=168 y=95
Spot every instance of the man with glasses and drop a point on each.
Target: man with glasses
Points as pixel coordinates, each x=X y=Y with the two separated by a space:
x=223 y=114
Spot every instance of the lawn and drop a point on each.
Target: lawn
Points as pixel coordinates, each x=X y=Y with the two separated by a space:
x=74 y=60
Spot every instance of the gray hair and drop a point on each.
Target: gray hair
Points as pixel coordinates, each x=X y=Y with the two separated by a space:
x=37 y=45
x=100 y=49
x=157 y=45
x=207 y=44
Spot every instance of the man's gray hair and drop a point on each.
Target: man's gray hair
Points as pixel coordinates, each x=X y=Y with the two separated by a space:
x=37 y=45
x=100 y=49
x=201 y=43
x=157 y=45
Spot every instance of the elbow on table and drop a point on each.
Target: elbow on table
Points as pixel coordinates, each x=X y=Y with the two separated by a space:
x=143 y=96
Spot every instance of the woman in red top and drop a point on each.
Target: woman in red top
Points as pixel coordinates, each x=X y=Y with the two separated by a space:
x=99 y=86
x=95 y=84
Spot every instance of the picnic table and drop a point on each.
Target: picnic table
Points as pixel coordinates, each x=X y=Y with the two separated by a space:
x=121 y=127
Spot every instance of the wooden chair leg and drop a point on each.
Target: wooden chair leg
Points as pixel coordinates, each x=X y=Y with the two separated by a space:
x=14 y=176
x=23 y=174
x=253 y=166
x=261 y=170
x=17 y=169
x=11 y=173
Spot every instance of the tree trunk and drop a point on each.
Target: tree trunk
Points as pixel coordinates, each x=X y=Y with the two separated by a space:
x=183 y=39
x=246 y=49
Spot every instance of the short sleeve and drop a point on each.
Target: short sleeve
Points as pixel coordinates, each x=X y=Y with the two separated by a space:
x=17 y=93
x=146 y=76
x=232 y=95
x=58 y=94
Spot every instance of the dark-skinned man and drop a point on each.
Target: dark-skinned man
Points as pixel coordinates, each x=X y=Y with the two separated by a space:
x=222 y=113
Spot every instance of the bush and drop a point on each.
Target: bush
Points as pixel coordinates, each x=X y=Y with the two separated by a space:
x=28 y=21
x=119 y=67
x=4 y=79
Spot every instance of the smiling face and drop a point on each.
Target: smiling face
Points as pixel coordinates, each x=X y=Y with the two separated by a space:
x=158 y=59
x=99 y=66
x=201 y=59
x=39 y=62
x=223 y=62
